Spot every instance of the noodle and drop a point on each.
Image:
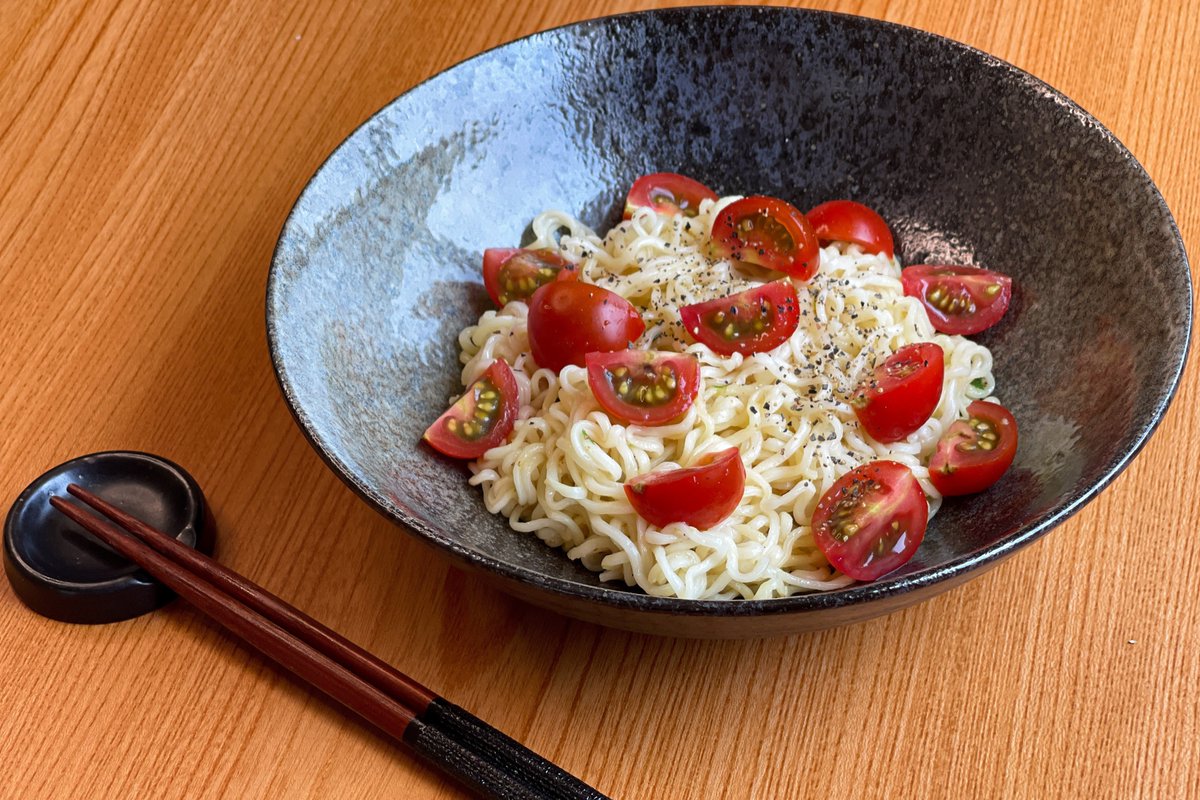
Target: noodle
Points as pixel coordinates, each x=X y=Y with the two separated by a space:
x=561 y=474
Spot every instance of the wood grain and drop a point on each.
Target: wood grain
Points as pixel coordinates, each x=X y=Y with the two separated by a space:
x=149 y=153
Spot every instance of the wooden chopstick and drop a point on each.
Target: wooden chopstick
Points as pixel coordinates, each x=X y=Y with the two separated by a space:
x=365 y=665
x=482 y=758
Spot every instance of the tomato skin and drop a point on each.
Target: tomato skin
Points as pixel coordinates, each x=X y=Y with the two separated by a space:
x=903 y=393
x=958 y=300
x=676 y=374
x=966 y=460
x=700 y=496
x=770 y=233
x=848 y=221
x=775 y=304
x=448 y=434
x=568 y=320
x=667 y=193
x=514 y=273
x=872 y=520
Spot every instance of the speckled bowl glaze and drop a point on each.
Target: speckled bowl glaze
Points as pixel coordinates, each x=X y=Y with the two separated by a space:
x=970 y=159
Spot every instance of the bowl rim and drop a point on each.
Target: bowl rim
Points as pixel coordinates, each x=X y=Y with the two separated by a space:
x=618 y=596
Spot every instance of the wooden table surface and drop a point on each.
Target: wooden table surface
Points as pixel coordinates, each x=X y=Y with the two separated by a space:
x=149 y=153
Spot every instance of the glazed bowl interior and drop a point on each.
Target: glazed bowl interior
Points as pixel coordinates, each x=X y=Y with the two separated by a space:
x=969 y=159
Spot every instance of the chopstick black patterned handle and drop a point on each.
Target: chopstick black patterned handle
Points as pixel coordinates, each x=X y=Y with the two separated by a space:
x=545 y=780
x=483 y=776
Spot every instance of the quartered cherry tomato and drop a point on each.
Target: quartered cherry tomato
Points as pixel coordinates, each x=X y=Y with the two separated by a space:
x=568 y=320
x=479 y=420
x=644 y=387
x=872 y=520
x=959 y=300
x=975 y=452
x=848 y=221
x=753 y=321
x=513 y=273
x=667 y=193
x=902 y=393
x=700 y=496
x=767 y=232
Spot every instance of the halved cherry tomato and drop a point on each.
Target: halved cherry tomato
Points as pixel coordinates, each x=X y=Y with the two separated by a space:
x=513 y=273
x=872 y=520
x=962 y=300
x=667 y=193
x=700 y=496
x=903 y=392
x=479 y=420
x=644 y=387
x=752 y=321
x=975 y=452
x=568 y=320
x=848 y=221
x=767 y=232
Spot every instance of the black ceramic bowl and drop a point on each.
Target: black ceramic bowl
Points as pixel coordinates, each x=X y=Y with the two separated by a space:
x=968 y=158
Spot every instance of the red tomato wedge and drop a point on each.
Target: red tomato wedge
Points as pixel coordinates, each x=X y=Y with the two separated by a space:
x=959 y=300
x=767 y=232
x=975 y=452
x=700 y=496
x=644 y=387
x=903 y=392
x=872 y=520
x=513 y=273
x=479 y=420
x=568 y=320
x=753 y=321
x=667 y=193
x=848 y=221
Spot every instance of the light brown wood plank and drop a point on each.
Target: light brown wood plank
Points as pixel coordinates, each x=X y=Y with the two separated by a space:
x=149 y=153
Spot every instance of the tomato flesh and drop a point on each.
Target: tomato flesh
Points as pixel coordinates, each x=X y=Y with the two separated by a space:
x=568 y=320
x=848 y=221
x=753 y=321
x=514 y=273
x=872 y=520
x=959 y=300
x=975 y=452
x=700 y=496
x=479 y=420
x=768 y=232
x=644 y=387
x=667 y=193
x=903 y=392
